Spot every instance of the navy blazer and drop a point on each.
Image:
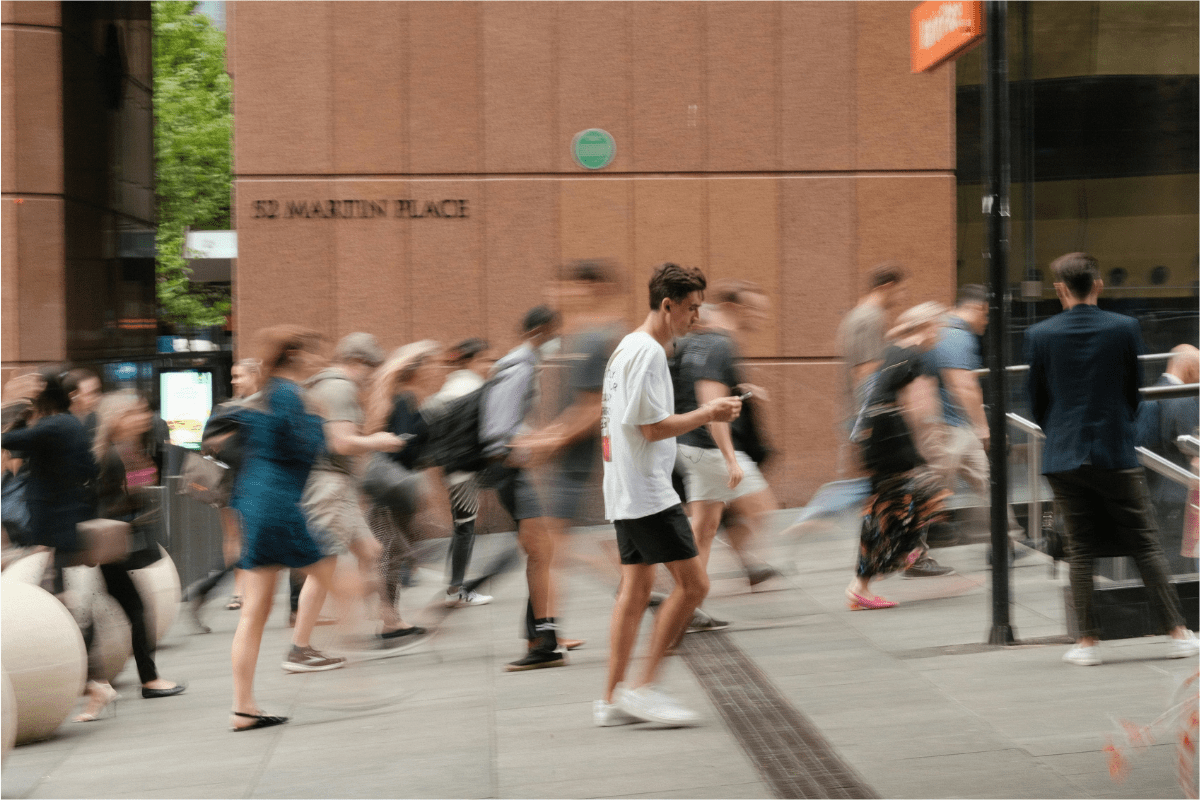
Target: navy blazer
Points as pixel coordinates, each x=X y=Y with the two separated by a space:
x=1083 y=388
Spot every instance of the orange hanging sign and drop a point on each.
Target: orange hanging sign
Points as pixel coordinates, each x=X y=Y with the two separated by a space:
x=943 y=30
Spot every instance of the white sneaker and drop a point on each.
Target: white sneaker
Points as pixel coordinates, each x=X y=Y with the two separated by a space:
x=469 y=598
x=1082 y=656
x=1187 y=647
x=651 y=705
x=606 y=715
x=466 y=598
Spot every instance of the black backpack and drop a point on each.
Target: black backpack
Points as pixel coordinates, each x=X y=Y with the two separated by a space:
x=451 y=435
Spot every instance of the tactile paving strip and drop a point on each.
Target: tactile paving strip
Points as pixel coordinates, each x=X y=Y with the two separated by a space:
x=788 y=750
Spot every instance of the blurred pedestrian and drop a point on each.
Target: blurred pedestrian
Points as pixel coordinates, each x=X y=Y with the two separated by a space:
x=469 y=367
x=571 y=441
x=222 y=441
x=83 y=387
x=61 y=468
x=861 y=342
x=282 y=440
x=638 y=426
x=507 y=403
x=122 y=420
x=719 y=472
x=1160 y=423
x=409 y=376
x=331 y=497
x=1084 y=378
x=955 y=437
x=906 y=495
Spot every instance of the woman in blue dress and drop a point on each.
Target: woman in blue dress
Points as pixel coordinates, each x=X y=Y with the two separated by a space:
x=282 y=439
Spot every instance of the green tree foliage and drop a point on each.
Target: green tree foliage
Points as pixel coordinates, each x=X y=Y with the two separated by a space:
x=193 y=126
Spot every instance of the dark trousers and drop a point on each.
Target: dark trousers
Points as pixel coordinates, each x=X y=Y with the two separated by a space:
x=120 y=585
x=464 y=508
x=1108 y=511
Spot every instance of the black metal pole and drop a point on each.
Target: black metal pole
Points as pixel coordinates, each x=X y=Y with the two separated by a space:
x=996 y=209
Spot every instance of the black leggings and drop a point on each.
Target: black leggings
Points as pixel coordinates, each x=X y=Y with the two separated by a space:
x=120 y=586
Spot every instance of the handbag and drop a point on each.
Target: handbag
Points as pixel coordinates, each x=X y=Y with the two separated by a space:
x=392 y=486
x=202 y=478
x=104 y=541
x=15 y=510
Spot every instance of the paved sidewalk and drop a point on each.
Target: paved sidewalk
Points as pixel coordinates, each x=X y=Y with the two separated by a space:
x=906 y=700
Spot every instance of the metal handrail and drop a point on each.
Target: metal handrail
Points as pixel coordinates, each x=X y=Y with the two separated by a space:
x=1170 y=392
x=1146 y=458
x=1025 y=367
x=1189 y=445
x=1167 y=469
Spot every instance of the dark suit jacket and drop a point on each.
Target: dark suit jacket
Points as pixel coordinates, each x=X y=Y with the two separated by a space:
x=1159 y=424
x=1083 y=388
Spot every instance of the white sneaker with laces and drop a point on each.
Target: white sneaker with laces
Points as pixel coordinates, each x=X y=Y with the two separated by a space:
x=651 y=705
x=469 y=598
x=1187 y=647
x=1082 y=656
x=606 y=715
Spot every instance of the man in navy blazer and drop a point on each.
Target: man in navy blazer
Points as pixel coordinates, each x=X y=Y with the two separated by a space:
x=1083 y=388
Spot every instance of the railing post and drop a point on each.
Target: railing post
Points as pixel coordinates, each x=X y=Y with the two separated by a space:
x=996 y=212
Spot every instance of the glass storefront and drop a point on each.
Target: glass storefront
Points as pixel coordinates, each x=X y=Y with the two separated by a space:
x=1105 y=154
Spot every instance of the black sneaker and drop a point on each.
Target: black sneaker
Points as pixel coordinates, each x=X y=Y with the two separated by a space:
x=538 y=658
x=307 y=659
x=757 y=575
x=926 y=567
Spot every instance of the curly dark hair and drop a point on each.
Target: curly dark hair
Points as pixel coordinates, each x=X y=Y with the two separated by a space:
x=671 y=281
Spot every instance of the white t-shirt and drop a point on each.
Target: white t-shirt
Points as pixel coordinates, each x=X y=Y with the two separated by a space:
x=637 y=391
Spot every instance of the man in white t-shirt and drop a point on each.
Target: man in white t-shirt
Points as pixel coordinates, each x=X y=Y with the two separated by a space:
x=638 y=427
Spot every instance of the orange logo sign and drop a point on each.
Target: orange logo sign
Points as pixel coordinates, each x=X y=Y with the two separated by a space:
x=944 y=29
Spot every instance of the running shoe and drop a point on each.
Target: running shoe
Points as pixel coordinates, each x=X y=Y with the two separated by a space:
x=702 y=622
x=308 y=659
x=607 y=715
x=1083 y=656
x=1187 y=647
x=467 y=597
x=650 y=704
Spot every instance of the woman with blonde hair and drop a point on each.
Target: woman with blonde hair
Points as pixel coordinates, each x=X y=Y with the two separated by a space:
x=906 y=495
x=409 y=376
x=122 y=419
x=282 y=439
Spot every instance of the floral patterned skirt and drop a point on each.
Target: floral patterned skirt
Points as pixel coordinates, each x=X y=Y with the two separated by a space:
x=896 y=516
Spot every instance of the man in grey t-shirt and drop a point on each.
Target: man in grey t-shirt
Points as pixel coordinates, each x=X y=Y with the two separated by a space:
x=330 y=500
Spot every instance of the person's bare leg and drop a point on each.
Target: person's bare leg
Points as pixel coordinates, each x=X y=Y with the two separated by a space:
x=535 y=539
x=308 y=610
x=366 y=549
x=751 y=511
x=259 y=590
x=632 y=597
x=346 y=589
x=706 y=518
x=691 y=587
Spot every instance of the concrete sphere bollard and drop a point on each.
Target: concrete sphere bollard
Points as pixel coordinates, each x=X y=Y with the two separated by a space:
x=28 y=569
x=42 y=653
x=112 y=641
x=10 y=716
x=161 y=592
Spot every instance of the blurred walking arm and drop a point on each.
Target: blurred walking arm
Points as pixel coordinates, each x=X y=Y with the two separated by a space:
x=342 y=438
x=963 y=386
x=707 y=391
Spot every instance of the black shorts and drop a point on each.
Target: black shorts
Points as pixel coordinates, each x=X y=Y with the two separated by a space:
x=657 y=539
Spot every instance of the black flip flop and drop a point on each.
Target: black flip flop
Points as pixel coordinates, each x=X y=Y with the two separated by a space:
x=260 y=721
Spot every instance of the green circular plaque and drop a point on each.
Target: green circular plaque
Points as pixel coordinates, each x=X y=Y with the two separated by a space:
x=593 y=148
